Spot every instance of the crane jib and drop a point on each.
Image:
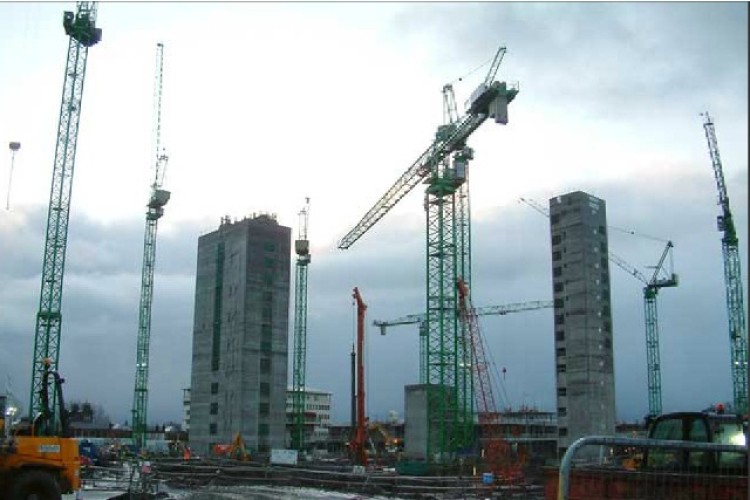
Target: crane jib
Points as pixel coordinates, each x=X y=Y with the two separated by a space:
x=437 y=151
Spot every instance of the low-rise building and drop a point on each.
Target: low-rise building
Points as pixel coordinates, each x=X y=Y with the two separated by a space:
x=317 y=416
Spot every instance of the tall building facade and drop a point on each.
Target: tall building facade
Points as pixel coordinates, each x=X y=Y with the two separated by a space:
x=584 y=361
x=240 y=332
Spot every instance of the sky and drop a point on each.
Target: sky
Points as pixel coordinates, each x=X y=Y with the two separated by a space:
x=268 y=103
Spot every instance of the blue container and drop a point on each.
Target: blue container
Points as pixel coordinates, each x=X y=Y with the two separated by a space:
x=487 y=478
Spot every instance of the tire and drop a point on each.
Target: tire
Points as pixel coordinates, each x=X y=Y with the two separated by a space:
x=35 y=485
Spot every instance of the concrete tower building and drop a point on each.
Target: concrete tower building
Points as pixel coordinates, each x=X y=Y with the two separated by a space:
x=583 y=320
x=240 y=331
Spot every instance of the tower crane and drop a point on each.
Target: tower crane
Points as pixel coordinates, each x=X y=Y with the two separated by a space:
x=157 y=200
x=82 y=34
x=302 y=248
x=419 y=319
x=650 y=291
x=732 y=275
x=443 y=168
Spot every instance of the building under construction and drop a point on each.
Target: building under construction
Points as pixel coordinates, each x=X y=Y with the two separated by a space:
x=584 y=363
x=240 y=331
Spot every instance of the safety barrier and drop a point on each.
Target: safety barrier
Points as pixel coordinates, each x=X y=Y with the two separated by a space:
x=600 y=467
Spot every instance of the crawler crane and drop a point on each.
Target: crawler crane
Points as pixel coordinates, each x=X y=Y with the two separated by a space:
x=359 y=441
x=496 y=451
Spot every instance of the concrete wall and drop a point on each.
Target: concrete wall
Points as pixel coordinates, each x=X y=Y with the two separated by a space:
x=240 y=332
x=415 y=421
x=584 y=361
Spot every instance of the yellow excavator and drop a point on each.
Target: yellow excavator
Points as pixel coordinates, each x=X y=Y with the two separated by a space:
x=39 y=461
x=235 y=450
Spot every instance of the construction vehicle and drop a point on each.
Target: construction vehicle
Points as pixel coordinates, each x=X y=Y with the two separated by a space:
x=234 y=450
x=732 y=276
x=443 y=168
x=381 y=441
x=669 y=472
x=359 y=439
x=498 y=457
x=40 y=460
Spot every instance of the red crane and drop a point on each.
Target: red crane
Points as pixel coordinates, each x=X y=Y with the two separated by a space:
x=360 y=433
x=497 y=453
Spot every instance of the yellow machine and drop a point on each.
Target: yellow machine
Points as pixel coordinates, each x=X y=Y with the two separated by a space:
x=235 y=450
x=40 y=461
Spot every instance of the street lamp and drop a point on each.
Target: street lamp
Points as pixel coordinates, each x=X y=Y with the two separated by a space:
x=13 y=146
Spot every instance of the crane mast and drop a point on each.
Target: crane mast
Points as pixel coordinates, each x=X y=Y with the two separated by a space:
x=83 y=33
x=443 y=168
x=157 y=200
x=732 y=276
x=302 y=248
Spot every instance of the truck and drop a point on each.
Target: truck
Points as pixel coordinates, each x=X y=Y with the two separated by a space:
x=39 y=460
x=695 y=470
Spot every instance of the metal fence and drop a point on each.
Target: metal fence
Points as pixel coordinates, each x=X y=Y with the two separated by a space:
x=597 y=468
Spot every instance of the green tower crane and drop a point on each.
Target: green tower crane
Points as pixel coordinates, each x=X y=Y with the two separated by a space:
x=443 y=168
x=732 y=276
x=302 y=249
x=157 y=200
x=83 y=33
x=650 y=291
x=419 y=319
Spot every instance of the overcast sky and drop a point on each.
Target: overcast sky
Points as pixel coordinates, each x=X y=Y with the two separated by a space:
x=267 y=103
